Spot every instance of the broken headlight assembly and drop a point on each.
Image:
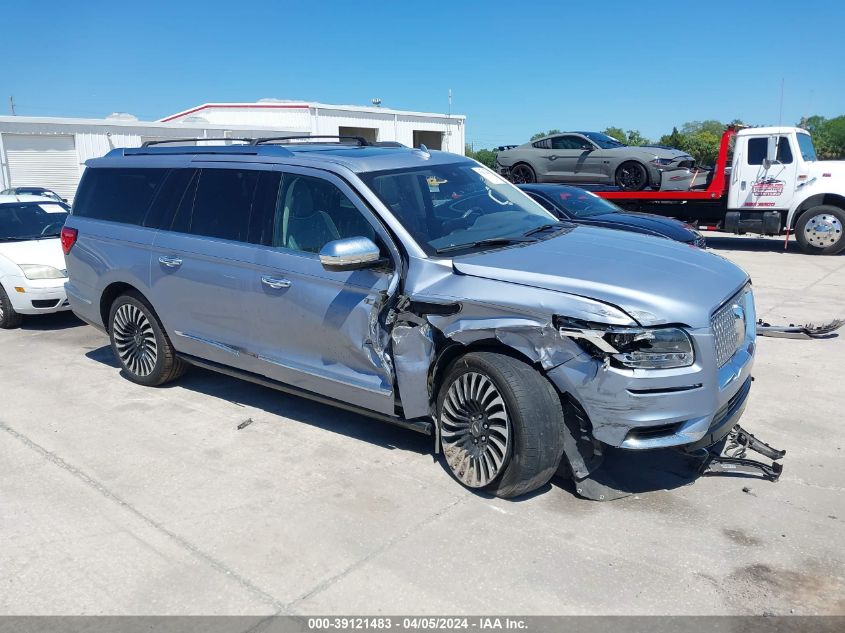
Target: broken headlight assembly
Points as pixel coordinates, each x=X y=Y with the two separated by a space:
x=632 y=347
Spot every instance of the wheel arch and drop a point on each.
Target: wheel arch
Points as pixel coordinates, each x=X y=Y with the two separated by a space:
x=453 y=350
x=832 y=199
x=112 y=292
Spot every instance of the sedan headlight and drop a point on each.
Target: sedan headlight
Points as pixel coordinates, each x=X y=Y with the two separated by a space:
x=38 y=271
x=661 y=162
x=633 y=347
x=651 y=348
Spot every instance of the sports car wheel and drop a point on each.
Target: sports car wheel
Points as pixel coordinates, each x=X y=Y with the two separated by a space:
x=522 y=174
x=632 y=176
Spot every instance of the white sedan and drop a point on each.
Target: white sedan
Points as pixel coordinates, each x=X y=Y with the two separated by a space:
x=32 y=265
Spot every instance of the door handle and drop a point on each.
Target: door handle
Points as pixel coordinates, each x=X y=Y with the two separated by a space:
x=275 y=282
x=553 y=157
x=170 y=262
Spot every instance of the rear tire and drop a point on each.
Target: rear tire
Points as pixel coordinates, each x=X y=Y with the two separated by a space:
x=819 y=230
x=140 y=344
x=631 y=176
x=501 y=424
x=523 y=174
x=9 y=319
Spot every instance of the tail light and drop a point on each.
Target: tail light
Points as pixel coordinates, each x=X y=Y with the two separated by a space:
x=68 y=238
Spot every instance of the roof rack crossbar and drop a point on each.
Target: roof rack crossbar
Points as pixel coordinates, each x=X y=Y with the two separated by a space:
x=270 y=139
x=248 y=141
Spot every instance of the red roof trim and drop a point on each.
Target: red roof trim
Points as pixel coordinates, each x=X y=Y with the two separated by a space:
x=237 y=105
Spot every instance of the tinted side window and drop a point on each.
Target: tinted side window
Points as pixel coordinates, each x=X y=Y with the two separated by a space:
x=169 y=197
x=264 y=208
x=118 y=195
x=223 y=202
x=314 y=212
x=544 y=144
x=784 y=153
x=757 y=150
x=567 y=142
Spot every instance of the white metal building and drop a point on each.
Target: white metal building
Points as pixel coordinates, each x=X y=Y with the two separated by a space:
x=436 y=131
x=51 y=152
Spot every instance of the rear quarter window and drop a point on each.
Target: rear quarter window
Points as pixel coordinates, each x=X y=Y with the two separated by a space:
x=117 y=195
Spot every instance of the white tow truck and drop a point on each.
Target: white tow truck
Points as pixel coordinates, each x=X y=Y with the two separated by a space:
x=775 y=184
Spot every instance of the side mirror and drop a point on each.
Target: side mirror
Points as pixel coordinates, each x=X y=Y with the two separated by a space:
x=350 y=253
x=587 y=147
x=767 y=164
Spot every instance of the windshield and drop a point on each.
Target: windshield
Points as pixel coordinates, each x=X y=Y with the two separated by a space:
x=603 y=140
x=31 y=220
x=805 y=144
x=459 y=204
x=583 y=204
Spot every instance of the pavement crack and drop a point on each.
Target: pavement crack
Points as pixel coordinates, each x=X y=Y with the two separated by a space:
x=328 y=582
x=195 y=551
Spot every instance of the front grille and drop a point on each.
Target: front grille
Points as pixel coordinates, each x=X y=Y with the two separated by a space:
x=724 y=327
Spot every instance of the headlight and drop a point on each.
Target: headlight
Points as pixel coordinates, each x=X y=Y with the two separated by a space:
x=634 y=347
x=651 y=348
x=661 y=162
x=37 y=271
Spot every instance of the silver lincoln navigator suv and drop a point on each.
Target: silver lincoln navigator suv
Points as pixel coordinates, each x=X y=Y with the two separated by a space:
x=413 y=286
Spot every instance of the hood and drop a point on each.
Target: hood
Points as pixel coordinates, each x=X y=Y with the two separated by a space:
x=836 y=169
x=644 y=222
x=46 y=252
x=654 y=280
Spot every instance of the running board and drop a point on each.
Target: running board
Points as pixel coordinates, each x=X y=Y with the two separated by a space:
x=419 y=425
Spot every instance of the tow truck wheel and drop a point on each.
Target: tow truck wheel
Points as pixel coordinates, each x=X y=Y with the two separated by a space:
x=632 y=176
x=501 y=424
x=820 y=230
x=522 y=174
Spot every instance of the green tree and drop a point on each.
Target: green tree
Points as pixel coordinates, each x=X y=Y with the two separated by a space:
x=616 y=132
x=710 y=125
x=542 y=134
x=675 y=139
x=633 y=137
x=486 y=157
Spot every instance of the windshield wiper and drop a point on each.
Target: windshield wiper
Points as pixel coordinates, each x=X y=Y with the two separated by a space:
x=26 y=238
x=544 y=227
x=490 y=241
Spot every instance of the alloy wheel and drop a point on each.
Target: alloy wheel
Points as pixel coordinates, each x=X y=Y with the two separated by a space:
x=475 y=430
x=522 y=175
x=135 y=340
x=823 y=230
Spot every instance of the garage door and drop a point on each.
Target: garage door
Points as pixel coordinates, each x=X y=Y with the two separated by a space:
x=43 y=160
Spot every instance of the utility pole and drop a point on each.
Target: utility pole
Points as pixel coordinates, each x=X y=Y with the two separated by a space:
x=12 y=104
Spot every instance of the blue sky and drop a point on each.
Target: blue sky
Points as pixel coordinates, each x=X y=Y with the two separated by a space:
x=514 y=67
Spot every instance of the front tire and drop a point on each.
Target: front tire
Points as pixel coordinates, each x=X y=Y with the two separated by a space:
x=819 y=230
x=522 y=174
x=501 y=424
x=140 y=344
x=9 y=319
x=632 y=176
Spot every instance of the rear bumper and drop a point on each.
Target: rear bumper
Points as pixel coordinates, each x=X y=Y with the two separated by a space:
x=39 y=296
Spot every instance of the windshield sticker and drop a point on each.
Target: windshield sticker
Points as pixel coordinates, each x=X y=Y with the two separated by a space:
x=489 y=176
x=52 y=208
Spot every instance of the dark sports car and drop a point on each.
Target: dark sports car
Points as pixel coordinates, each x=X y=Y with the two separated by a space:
x=585 y=207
